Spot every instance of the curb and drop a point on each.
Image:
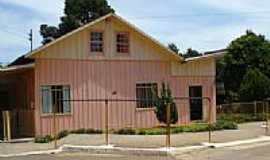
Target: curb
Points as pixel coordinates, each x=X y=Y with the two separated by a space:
x=32 y=153
x=118 y=150
x=237 y=143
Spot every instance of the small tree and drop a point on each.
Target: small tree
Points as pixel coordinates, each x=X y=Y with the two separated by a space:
x=255 y=86
x=161 y=103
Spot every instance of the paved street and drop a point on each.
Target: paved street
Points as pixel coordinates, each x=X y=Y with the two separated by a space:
x=84 y=156
x=247 y=152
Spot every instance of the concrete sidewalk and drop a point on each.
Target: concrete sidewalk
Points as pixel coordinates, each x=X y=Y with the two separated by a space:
x=246 y=131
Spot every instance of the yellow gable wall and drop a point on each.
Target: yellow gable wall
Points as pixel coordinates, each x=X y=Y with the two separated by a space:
x=203 y=67
x=77 y=45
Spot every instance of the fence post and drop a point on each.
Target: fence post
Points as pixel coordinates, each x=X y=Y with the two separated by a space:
x=54 y=126
x=209 y=121
x=6 y=125
x=168 y=119
x=107 y=122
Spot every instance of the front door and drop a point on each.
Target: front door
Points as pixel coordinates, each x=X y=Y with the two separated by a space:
x=196 y=104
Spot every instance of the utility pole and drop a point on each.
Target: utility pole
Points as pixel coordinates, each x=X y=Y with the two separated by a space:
x=31 y=39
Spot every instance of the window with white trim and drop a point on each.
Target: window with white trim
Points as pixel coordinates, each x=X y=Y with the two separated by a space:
x=96 y=41
x=57 y=96
x=146 y=94
x=122 y=42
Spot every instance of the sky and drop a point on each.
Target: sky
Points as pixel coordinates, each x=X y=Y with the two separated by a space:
x=203 y=25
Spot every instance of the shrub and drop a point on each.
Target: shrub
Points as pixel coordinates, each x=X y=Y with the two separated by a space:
x=125 y=131
x=45 y=139
x=93 y=131
x=79 y=131
x=156 y=131
x=62 y=134
x=222 y=124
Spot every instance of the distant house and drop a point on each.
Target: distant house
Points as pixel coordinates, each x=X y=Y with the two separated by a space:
x=107 y=58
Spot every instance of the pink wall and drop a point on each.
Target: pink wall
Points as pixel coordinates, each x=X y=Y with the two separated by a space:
x=98 y=79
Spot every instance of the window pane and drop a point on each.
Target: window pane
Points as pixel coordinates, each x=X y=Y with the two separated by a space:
x=66 y=98
x=56 y=96
x=146 y=94
x=46 y=99
x=122 y=42
x=96 y=42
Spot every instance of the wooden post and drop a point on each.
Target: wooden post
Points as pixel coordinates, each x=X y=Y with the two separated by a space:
x=8 y=125
x=168 y=116
x=4 y=126
x=54 y=126
x=106 y=122
x=209 y=122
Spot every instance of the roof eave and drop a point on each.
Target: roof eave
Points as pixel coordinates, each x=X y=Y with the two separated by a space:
x=216 y=56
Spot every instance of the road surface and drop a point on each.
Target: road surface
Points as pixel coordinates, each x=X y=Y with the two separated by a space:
x=247 y=152
x=85 y=156
x=259 y=151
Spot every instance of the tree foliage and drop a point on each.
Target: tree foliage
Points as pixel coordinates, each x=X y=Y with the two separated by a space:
x=250 y=51
x=76 y=13
x=161 y=105
x=255 y=86
x=191 y=53
x=174 y=48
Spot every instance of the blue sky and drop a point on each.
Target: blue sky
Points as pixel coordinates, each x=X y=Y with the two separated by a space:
x=201 y=24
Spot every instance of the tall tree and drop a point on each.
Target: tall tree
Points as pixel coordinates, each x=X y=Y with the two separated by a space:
x=248 y=51
x=76 y=13
x=255 y=86
x=191 y=53
x=174 y=48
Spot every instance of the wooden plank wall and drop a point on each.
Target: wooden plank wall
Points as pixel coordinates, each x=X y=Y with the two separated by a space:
x=91 y=79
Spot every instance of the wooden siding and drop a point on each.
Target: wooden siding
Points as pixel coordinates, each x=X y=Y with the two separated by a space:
x=203 y=67
x=99 y=79
x=77 y=46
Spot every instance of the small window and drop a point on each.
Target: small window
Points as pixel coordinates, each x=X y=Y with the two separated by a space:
x=122 y=42
x=146 y=94
x=57 y=96
x=96 y=42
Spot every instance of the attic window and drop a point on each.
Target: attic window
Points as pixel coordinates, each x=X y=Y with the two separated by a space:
x=122 y=42
x=96 y=41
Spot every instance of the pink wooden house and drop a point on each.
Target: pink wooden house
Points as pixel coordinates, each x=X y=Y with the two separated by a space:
x=107 y=58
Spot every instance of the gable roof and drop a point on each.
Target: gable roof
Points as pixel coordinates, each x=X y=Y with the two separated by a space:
x=170 y=53
x=217 y=54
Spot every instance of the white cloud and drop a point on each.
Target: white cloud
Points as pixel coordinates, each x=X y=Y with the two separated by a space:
x=239 y=5
x=52 y=8
x=201 y=32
